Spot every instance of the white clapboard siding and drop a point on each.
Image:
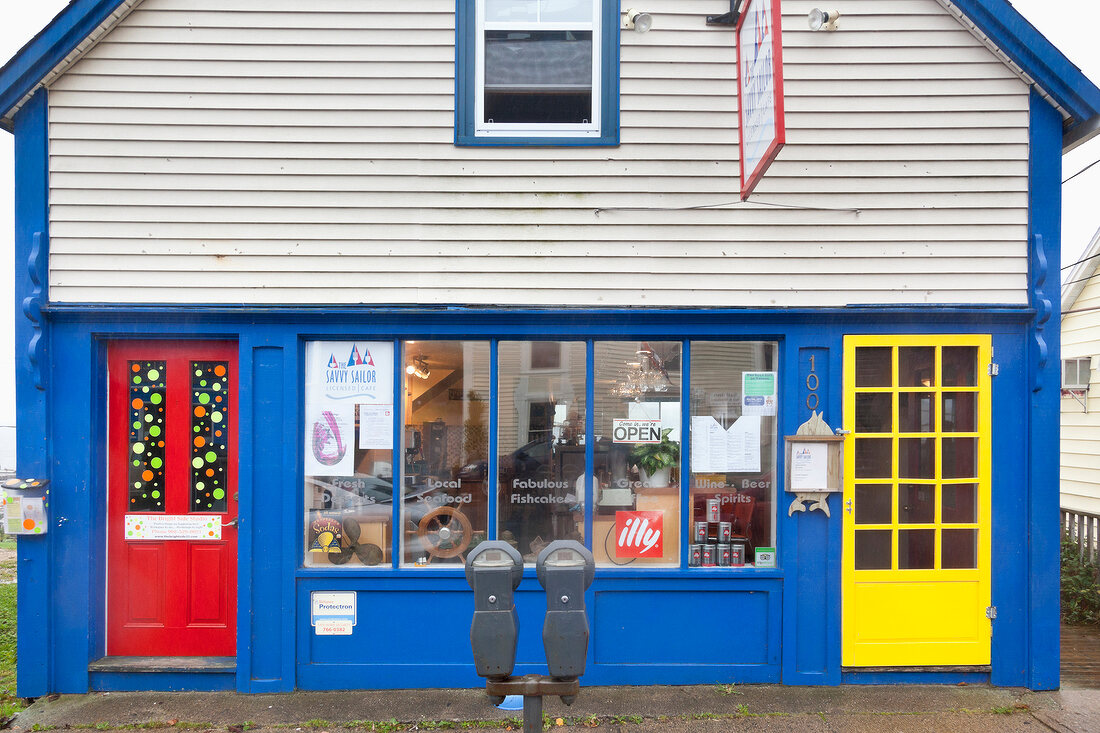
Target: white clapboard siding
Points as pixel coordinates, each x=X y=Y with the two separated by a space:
x=1080 y=444
x=231 y=151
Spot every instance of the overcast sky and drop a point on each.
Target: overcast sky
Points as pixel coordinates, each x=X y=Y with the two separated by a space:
x=1067 y=23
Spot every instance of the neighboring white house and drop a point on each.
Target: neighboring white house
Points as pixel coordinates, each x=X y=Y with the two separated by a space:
x=1080 y=396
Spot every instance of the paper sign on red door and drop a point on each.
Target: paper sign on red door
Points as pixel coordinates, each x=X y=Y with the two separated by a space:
x=639 y=534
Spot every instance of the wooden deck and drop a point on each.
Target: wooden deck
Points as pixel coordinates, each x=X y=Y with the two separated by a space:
x=1081 y=656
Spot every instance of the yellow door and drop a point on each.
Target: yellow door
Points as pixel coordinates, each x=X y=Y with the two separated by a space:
x=916 y=568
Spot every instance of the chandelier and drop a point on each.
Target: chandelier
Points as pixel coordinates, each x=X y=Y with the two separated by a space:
x=641 y=377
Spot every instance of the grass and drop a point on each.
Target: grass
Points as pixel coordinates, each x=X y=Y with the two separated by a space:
x=9 y=703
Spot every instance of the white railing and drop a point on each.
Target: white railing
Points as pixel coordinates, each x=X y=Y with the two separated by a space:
x=1083 y=530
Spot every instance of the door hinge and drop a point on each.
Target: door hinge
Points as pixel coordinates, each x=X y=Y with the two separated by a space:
x=994 y=369
x=991 y=612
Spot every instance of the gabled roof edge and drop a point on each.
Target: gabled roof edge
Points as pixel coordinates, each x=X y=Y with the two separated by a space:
x=1042 y=61
x=1082 y=271
x=41 y=54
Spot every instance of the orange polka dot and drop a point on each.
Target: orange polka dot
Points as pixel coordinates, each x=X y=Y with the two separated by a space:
x=135 y=367
x=219 y=370
x=160 y=444
x=218 y=398
x=147 y=476
x=218 y=433
x=200 y=411
x=137 y=403
x=200 y=441
x=28 y=524
x=209 y=472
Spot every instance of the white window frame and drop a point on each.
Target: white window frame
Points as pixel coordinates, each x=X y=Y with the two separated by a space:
x=528 y=129
x=1087 y=369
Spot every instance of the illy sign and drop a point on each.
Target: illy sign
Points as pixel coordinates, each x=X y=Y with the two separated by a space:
x=639 y=534
x=636 y=431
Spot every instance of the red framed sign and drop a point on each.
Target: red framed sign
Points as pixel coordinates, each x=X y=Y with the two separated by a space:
x=759 y=90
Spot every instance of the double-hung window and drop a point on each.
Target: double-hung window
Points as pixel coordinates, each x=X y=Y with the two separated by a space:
x=537 y=72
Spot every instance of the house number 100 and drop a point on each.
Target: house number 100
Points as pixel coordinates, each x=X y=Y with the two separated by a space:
x=812 y=383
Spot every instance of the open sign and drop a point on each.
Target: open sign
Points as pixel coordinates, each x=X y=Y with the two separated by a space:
x=636 y=431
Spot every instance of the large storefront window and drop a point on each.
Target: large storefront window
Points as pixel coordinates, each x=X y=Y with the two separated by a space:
x=636 y=520
x=605 y=470
x=349 y=471
x=446 y=445
x=541 y=443
x=733 y=450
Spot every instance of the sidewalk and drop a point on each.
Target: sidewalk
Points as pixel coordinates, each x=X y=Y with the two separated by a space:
x=909 y=708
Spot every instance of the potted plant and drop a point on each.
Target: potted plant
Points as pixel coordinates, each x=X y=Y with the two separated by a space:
x=655 y=460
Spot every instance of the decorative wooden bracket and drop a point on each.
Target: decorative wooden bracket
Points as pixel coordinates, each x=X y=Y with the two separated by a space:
x=816 y=430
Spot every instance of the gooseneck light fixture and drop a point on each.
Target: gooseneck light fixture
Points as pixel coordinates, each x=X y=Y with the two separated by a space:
x=637 y=21
x=823 y=20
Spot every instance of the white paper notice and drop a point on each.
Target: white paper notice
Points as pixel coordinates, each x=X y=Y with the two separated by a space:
x=330 y=437
x=376 y=427
x=809 y=466
x=173 y=527
x=716 y=450
x=743 y=445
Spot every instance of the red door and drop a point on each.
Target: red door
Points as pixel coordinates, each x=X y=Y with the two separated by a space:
x=172 y=478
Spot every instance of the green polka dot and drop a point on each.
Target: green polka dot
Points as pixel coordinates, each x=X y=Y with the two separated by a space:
x=139 y=448
x=137 y=379
x=219 y=494
x=211 y=456
x=138 y=463
x=197 y=463
x=154 y=375
x=144 y=496
x=156 y=398
x=217 y=386
x=129 y=533
x=202 y=382
x=204 y=398
x=196 y=428
x=154 y=431
x=198 y=372
x=156 y=463
x=136 y=424
x=156 y=494
x=215 y=416
x=145 y=390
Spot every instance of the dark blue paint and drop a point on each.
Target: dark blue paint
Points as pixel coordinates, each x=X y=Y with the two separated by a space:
x=166 y=681
x=32 y=453
x=796 y=639
x=1045 y=206
x=465 y=92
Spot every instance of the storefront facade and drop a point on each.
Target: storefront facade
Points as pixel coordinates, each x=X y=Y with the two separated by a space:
x=229 y=431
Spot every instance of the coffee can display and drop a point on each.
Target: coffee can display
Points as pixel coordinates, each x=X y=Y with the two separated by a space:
x=724 y=556
x=725 y=531
x=709 y=553
x=737 y=554
x=700 y=534
x=695 y=556
x=714 y=507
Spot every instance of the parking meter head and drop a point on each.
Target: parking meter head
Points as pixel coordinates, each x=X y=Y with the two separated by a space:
x=494 y=554
x=566 y=555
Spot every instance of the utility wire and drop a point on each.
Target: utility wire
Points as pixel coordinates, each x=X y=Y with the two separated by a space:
x=1081 y=171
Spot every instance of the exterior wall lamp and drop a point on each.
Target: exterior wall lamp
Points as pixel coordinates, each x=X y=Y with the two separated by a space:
x=637 y=20
x=823 y=20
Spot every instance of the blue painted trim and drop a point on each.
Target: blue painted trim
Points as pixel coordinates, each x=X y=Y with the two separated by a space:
x=491 y=473
x=685 y=453
x=913 y=678
x=465 y=93
x=1045 y=206
x=64 y=33
x=167 y=682
x=398 y=450
x=33 y=444
x=589 y=437
x=1037 y=56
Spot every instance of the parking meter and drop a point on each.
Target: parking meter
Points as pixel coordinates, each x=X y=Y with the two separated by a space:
x=494 y=570
x=565 y=569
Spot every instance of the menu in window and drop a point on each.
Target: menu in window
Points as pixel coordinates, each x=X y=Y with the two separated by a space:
x=715 y=449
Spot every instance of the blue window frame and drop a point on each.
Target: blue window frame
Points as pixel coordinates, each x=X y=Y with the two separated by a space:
x=504 y=95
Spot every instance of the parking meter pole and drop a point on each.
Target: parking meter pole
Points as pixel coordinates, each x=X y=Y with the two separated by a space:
x=532 y=713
